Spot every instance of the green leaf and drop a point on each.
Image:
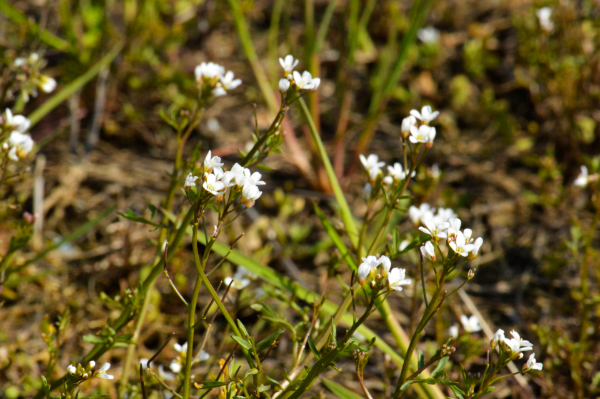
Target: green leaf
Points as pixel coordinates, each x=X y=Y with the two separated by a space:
x=274 y=382
x=133 y=217
x=92 y=339
x=440 y=366
x=264 y=388
x=260 y=307
x=421 y=359
x=242 y=342
x=250 y=372
x=242 y=328
x=339 y=390
x=267 y=342
x=313 y=348
x=406 y=385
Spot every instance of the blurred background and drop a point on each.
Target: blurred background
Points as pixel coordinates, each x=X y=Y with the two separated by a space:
x=517 y=84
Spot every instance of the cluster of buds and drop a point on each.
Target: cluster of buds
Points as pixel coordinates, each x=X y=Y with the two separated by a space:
x=212 y=78
x=393 y=279
x=513 y=348
x=28 y=74
x=241 y=279
x=461 y=242
x=216 y=181
x=15 y=142
x=301 y=81
x=422 y=133
x=88 y=372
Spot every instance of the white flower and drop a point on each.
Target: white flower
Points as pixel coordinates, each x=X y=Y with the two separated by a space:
x=181 y=349
x=454 y=227
x=396 y=279
x=20 y=145
x=426 y=115
x=209 y=71
x=71 y=369
x=284 y=85
x=423 y=212
x=430 y=137
x=406 y=124
x=396 y=174
x=470 y=324
x=92 y=364
x=544 y=15
x=428 y=35
x=288 y=64
x=443 y=215
x=211 y=162
x=306 y=81
x=460 y=245
x=420 y=134
x=386 y=264
x=212 y=185
x=47 y=84
x=428 y=251
x=165 y=375
x=516 y=344
x=250 y=193
x=102 y=372
x=403 y=245
x=531 y=364
x=476 y=245
x=18 y=122
x=190 y=180
x=498 y=336
x=19 y=62
x=368 y=267
x=175 y=366
x=228 y=82
x=581 y=181
x=371 y=162
x=237 y=283
x=248 y=177
x=203 y=356
x=144 y=363
x=453 y=331
x=434 y=230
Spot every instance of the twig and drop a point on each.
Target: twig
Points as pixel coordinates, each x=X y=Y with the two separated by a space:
x=160 y=350
x=166 y=273
x=142 y=382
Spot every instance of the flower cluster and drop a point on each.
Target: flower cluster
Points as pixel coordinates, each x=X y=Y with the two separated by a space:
x=216 y=181
x=241 y=279
x=28 y=72
x=177 y=364
x=12 y=132
x=423 y=133
x=512 y=349
x=301 y=81
x=374 y=166
x=213 y=78
x=87 y=372
x=461 y=242
x=396 y=277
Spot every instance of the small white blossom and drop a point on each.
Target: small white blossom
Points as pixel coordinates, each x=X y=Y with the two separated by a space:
x=284 y=85
x=250 y=193
x=453 y=331
x=426 y=115
x=460 y=246
x=470 y=324
x=386 y=264
x=498 y=336
x=406 y=124
x=20 y=145
x=175 y=366
x=423 y=212
x=517 y=344
x=92 y=364
x=16 y=122
x=532 y=365
x=420 y=134
x=209 y=71
x=102 y=372
x=428 y=35
x=248 y=177
x=228 y=82
x=582 y=180
x=47 y=84
x=544 y=15
x=443 y=215
x=238 y=283
x=211 y=162
x=288 y=64
x=396 y=279
x=454 y=227
x=165 y=375
x=434 y=230
x=476 y=246
x=190 y=180
x=71 y=369
x=203 y=356
x=396 y=174
x=403 y=245
x=180 y=349
x=428 y=251
x=368 y=267
x=212 y=185
x=306 y=81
